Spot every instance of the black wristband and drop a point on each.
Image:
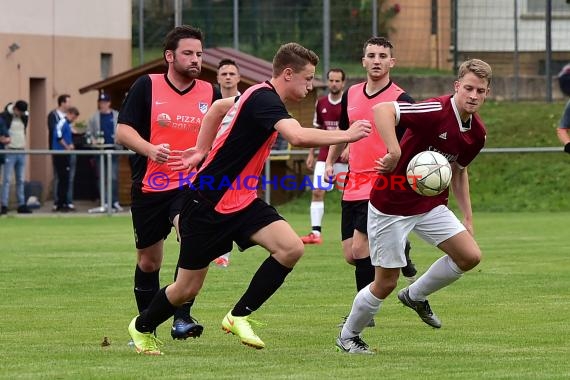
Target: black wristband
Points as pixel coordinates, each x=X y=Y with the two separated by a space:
x=567 y=148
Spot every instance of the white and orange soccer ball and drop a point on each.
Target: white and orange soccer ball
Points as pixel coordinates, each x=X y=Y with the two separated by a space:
x=428 y=173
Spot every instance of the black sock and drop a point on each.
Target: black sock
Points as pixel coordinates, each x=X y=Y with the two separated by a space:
x=159 y=310
x=264 y=283
x=147 y=285
x=183 y=311
x=363 y=272
x=407 y=249
x=410 y=269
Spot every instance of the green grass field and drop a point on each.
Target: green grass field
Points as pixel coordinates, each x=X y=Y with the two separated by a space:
x=66 y=282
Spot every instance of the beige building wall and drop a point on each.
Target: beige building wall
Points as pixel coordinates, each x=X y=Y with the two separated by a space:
x=416 y=45
x=61 y=44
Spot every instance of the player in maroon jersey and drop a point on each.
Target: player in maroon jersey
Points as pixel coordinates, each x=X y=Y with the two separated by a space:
x=451 y=126
x=220 y=209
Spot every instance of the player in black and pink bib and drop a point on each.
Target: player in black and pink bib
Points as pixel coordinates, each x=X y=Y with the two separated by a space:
x=357 y=102
x=222 y=206
x=163 y=112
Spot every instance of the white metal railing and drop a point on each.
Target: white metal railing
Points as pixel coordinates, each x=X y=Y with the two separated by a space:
x=106 y=191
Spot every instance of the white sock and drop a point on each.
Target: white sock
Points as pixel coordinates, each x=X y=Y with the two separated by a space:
x=317 y=212
x=364 y=308
x=441 y=273
x=226 y=256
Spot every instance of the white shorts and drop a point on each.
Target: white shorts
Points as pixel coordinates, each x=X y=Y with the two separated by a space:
x=387 y=234
x=319 y=182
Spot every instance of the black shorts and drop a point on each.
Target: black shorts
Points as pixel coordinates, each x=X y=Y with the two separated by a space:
x=207 y=234
x=152 y=214
x=354 y=217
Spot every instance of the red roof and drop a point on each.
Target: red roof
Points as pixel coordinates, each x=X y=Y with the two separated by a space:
x=252 y=69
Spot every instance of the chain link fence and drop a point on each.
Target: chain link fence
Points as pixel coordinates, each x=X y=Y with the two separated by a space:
x=519 y=38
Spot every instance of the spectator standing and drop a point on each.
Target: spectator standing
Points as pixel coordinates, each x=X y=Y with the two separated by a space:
x=63 y=140
x=103 y=123
x=55 y=115
x=4 y=139
x=15 y=119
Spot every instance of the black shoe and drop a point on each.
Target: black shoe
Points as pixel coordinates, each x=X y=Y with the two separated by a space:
x=63 y=208
x=182 y=329
x=4 y=210
x=409 y=271
x=354 y=345
x=23 y=209
x=421 y=307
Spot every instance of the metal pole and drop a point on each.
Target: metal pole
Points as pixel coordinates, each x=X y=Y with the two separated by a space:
x=374 y=18
x=102 y=179
x=141 y=32
x=177 y=12
x=516 y=53
x=267 y=195
x=548 y=61
x=109 y=183
x=455 y=22
x=236 y=24
x=326 y=36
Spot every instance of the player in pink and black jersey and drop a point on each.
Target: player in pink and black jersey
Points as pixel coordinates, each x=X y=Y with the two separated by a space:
x=220 y=208
x=356 y=105
x=163 y=112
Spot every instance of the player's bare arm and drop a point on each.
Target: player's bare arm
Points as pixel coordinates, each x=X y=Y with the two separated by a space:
x=311 y=159
x=294 y=133
x=460 y=189
x=127 y=136
x=334 y=154
x=345 y=154
x=385 y=120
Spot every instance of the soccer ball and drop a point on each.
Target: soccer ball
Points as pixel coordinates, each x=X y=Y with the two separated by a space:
x=429 y=173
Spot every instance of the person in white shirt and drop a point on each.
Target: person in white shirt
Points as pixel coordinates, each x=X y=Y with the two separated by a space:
x=15 y=118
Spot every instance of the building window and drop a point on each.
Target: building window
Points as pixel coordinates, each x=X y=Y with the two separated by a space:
x=106 y=65
x=538 y=7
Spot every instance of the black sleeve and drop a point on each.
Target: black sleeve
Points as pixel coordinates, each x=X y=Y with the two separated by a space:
x=3 y=129
x=51 y=120
x=404 y=97
x=343 y=122
x=265 y=109
x=217 y=93
x=136 y=108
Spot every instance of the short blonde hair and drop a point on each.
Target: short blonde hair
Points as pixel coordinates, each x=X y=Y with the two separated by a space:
x=478 y=67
